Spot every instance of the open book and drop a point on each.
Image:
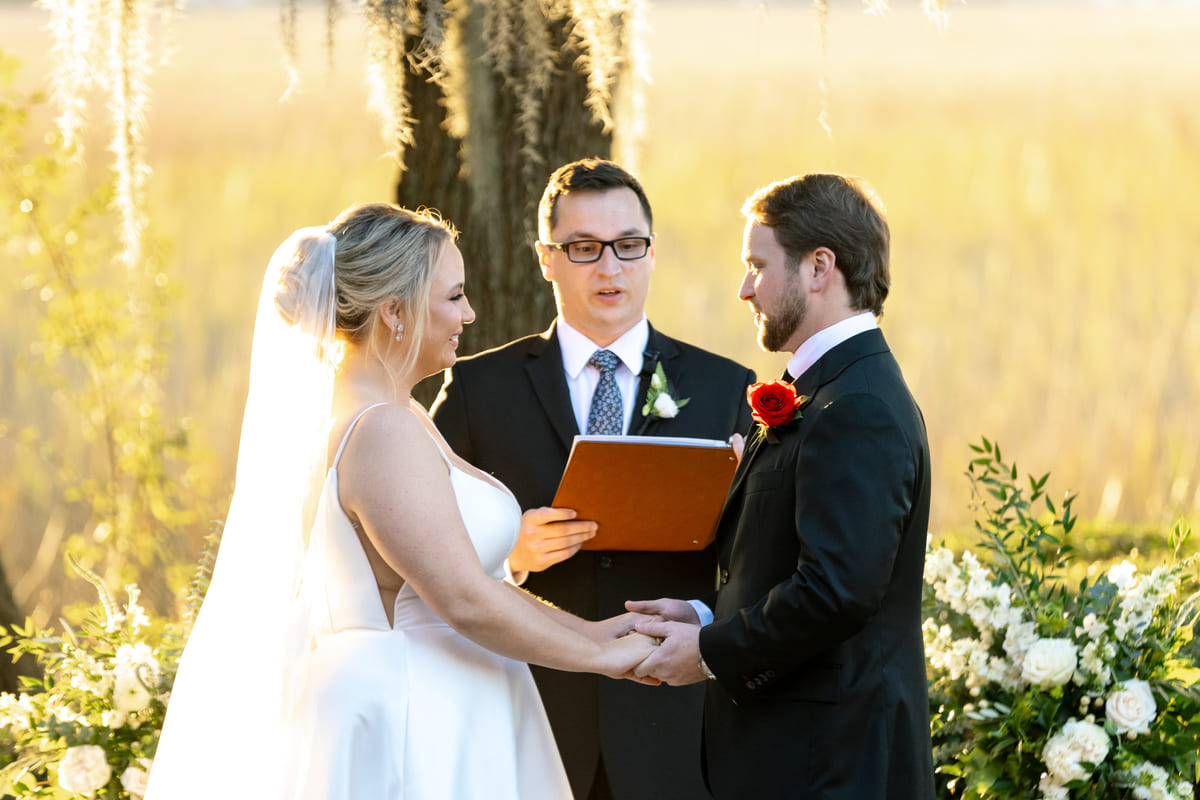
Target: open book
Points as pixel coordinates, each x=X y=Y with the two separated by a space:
x=647 y=492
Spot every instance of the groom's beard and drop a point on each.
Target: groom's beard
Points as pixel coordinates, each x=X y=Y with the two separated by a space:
x=778 y=328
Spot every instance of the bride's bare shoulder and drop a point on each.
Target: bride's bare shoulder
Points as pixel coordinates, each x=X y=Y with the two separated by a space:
x=387 y=430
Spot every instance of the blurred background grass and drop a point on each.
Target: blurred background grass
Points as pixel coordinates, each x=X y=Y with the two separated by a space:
x=1039 y=162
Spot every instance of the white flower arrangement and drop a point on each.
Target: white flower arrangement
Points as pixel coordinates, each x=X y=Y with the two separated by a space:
x=1039 y=691
x=90 y=726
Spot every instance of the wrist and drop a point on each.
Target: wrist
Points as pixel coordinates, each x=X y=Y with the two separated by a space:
x=708 y=673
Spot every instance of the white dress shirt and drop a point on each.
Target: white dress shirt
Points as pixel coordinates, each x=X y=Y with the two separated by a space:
x=806 y=355
x=582 y=379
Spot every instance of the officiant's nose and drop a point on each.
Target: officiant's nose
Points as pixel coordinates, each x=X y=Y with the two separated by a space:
x=609 y=264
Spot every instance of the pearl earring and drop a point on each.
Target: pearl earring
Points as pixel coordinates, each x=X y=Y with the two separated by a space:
x=399 y=332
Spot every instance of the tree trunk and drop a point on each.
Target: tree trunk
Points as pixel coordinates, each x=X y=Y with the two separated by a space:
x=497 y=225
x=10 y=615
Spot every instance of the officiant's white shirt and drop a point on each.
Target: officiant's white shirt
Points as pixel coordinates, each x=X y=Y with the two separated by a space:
x=806 y=355
x=582 y=379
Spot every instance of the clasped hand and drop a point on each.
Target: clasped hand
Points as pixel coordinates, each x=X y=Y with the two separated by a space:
x=673 y=624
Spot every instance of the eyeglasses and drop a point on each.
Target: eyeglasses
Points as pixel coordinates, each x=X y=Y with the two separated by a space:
x=587 y=251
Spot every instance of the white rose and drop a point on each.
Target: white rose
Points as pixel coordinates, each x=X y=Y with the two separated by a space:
x=1049 y=662
x=84 y=769
x=129 y=694
x=665 y=407
x=1079 y=741
x=1131 y=708
x=1121 y=575
x=1051 y=790
x=137 y=675
x=135 y=777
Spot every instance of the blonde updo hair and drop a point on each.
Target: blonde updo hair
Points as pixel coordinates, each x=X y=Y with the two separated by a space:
x=385 y=251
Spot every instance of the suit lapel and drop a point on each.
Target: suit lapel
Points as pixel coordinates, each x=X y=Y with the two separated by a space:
x=754 y=443
x=828 y=367
x=659 y=349
x=545 y=371
x=835 y=362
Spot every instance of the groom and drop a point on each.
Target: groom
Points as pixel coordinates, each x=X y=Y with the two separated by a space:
x=514 y=412
x=813 y=648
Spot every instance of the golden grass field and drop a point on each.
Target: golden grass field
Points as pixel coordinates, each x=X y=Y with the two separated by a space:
x=1040 y=163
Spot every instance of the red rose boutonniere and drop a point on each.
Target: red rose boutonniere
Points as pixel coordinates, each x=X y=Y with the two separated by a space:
x=774 y=404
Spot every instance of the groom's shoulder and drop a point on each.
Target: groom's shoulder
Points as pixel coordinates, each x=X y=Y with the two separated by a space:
x=712 y=363
x=504 y=356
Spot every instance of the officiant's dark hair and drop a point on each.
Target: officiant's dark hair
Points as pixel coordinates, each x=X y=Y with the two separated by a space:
x=840 y=212
x=587 y=174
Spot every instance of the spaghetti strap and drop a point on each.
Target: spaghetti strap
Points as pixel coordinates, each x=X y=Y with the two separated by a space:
x=441 y=452
x=346 y=437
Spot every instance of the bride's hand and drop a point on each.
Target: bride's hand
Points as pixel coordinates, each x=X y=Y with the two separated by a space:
x=623 y=655
x=606 y=630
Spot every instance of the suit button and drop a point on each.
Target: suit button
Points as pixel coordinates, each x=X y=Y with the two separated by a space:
x=724 y=576
x=605 y=562
x=750 y=685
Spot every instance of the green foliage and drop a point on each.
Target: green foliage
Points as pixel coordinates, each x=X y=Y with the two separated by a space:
x=105 y=441
x=1041 y=689
x=101 y=701
x=103 y=695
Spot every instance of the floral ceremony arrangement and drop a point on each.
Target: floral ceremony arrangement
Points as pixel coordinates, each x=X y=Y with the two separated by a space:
x=89 y=727
x=1043 y=690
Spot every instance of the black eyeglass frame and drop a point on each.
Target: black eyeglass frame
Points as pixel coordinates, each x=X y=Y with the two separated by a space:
x=612 y=244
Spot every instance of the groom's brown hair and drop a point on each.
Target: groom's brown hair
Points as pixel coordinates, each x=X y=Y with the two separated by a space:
x=840 y=212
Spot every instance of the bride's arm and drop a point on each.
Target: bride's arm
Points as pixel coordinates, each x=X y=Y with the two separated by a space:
x=393 y=479
x=599 y=630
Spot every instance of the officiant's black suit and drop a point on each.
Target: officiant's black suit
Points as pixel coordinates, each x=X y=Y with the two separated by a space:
x=817 y=641
x=508 y=412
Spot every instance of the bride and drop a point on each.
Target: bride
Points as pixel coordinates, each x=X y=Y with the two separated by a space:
x=358 y=640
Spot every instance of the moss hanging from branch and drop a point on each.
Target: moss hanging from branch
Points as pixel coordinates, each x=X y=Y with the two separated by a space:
x=105 y=45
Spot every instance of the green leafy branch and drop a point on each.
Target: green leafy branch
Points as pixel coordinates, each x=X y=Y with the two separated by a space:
x=1029 y=549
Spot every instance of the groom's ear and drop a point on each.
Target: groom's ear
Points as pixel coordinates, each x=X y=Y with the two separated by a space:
x=824 y=268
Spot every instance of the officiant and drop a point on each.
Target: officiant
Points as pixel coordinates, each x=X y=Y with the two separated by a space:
x=514 y=411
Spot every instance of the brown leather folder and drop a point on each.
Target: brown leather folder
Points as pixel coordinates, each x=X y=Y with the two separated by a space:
x=647 y=492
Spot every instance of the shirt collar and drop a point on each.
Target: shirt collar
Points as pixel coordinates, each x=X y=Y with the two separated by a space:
x=826 y=339
x=577 y=348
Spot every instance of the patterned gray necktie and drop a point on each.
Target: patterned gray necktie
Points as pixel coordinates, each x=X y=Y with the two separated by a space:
x=607 y=415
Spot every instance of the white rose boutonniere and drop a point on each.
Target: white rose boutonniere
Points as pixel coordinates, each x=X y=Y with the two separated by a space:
x=84 y=769
x=659 y=402
x=1131 y=708
x=1049 y=662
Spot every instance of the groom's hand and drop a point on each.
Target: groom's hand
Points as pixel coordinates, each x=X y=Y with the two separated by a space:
x=666 y=609
x=548 y=536
x=676 y=660
x=617 y=626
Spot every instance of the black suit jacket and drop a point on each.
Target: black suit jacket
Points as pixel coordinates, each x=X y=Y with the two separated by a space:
x=817 y=643
x=508 y=411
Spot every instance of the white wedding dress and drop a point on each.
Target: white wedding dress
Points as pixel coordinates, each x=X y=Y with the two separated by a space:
x=413 y=710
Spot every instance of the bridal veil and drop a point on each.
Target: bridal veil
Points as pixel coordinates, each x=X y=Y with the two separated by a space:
x=245 y=658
